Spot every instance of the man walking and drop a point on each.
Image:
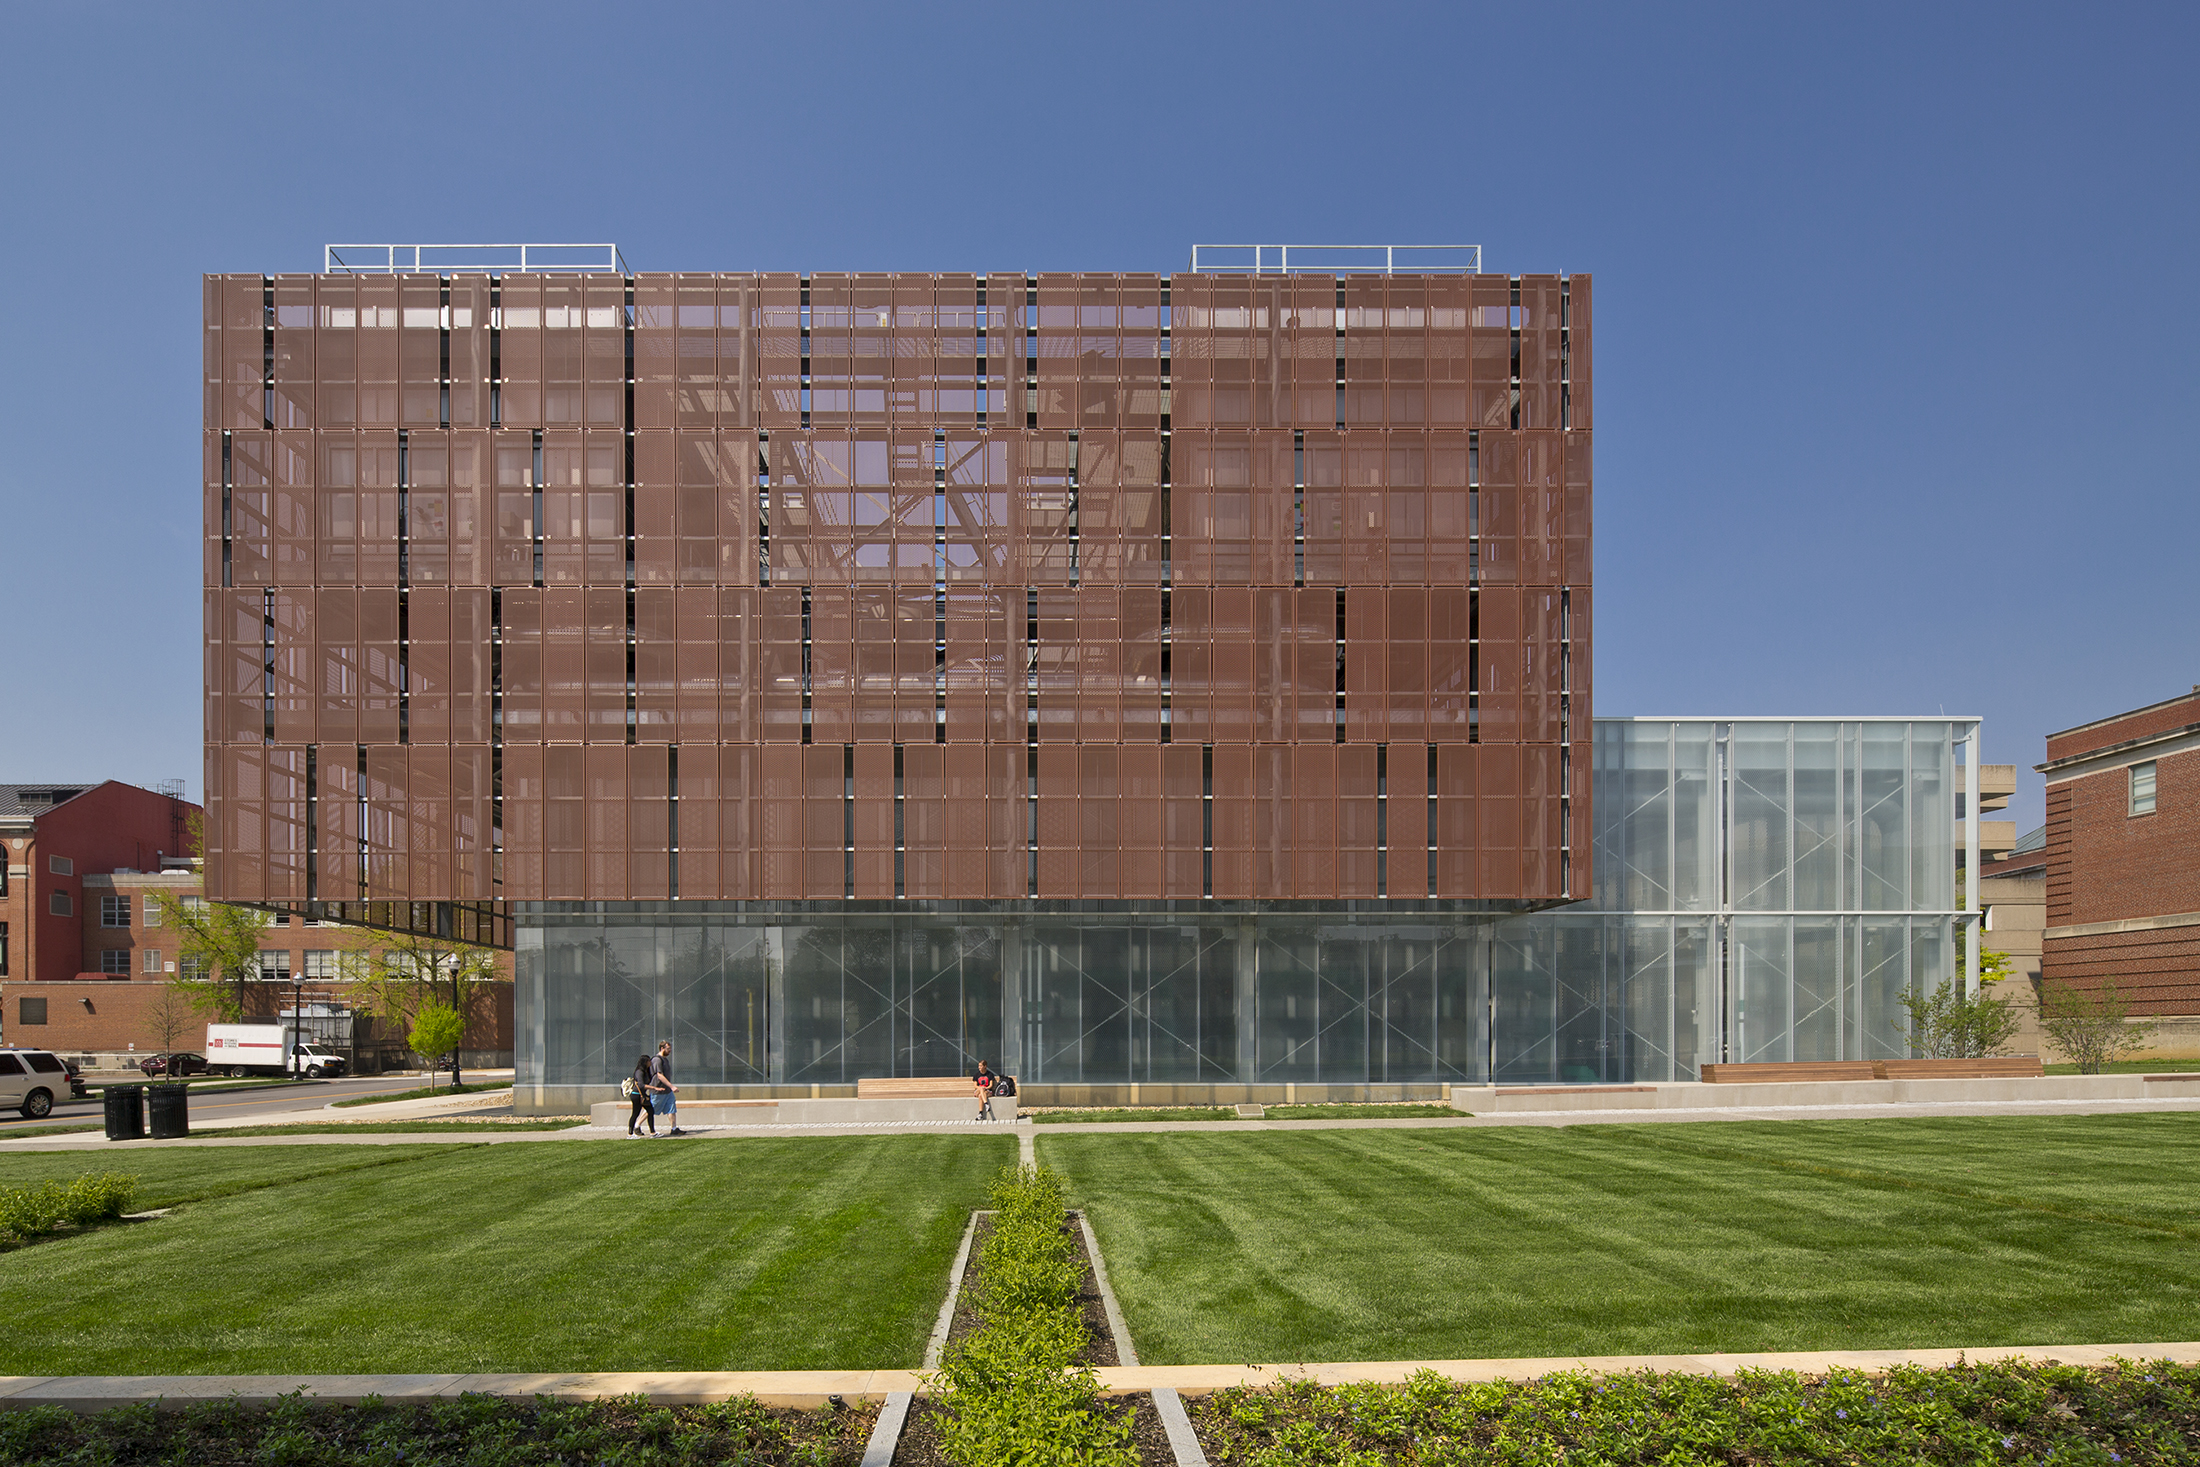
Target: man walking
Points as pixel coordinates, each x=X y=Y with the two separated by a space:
x=664 y=1096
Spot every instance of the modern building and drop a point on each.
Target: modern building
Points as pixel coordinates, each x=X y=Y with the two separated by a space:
x=2122 y=859
x=1132 y=679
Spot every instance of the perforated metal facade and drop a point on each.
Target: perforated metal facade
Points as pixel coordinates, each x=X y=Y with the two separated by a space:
x=917 y=588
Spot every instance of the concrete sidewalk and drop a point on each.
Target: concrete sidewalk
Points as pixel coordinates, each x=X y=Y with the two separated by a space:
x=808 y=1388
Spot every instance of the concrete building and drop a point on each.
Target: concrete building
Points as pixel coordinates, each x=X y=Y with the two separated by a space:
x=2122 y=862
x=1136 y=680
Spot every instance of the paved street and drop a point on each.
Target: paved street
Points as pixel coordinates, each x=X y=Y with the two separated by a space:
x=217 y=1105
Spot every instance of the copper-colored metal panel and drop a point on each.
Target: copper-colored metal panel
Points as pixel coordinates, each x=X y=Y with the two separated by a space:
x=657 y=665
x=968 y=821
x=1581 y=831
x=1097 y=656
x=428 y=508
x=376 y=343
x=1097 y=830
x=1140 y=672
x=779 y=664
x=1448 y=510
x=380 y=529
x=1579 y=413
x=1042 y=508
x=513 y=505
x=420 y=351
x=472 y=848
x=1313 y=663
x=1500 y=665
x=915 y=664
x=924 y=821
x=1450 y=370
x=336 y=351
x=379 y=665
x=1306 y=822
x=1275 y=637
x=975 y=671
x=1539 y=351
x=1323 y=507
x=525 y=825
x=240 y=341
x=1540 y=827
x=1498 y=821
x=1366 y=664
x=337 y=826
x=251 y=521
x=1358 y=872
x=1182 y=824
x=1490 y=342
x=1140 y=816
x=1449 y=627
x=648 y=823
x=740 y=869
x=563 y=354
x=604 y=844
x=292 y=370
x=775 y=317
x=564 y=665
x=470 y=670
x=1543 y=683
x=1578 y=471
x=295 y=666
x=389 y=831
x=564 y=508
x=471 y=470
x=1406 y=820
x=604 y=665
x=778 y=817
x=469 y=341
x=429 y=697
x=286 y=822
x=1231 y=665
x=603 y=373
x=1243 y=827
x=522 y=665
x=244 y=823
x=519 y=395
x=1191 y=666
x=427 y=806
x=832 y=665
x=1456 y=836
x=656 y=349
x=1407 y=679
x=1405 y=510
x=871 y=664
x=1542 y=509
x=1059 y=865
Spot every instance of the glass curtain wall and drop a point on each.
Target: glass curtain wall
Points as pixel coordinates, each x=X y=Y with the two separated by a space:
x=1765 y=891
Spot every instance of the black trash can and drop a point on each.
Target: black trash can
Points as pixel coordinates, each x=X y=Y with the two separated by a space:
x=170 y=1111
x=125 y=1112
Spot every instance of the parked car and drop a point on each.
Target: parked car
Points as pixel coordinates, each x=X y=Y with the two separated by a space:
x=181 y=1065
x=31 y=1080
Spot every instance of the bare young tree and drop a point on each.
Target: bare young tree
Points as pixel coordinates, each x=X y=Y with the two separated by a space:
x=174 y=1012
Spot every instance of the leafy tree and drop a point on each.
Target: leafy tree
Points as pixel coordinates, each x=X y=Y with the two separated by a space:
x=437 y=1029
x=219 y=940
x=1950 y=1024
x=413 y=971
x=2090 y=1028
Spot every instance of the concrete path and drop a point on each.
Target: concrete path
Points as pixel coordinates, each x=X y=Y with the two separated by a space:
x=1028 y=1133
x=808 y=1388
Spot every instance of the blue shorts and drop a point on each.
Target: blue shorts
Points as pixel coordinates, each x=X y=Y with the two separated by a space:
x=662 y=1102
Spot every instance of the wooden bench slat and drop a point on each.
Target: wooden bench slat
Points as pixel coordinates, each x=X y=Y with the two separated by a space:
x=1993 y=1067
x=916 y=1087
x=1788 y=1072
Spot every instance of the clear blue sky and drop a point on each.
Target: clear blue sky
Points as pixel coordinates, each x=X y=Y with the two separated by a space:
x=1895 y=308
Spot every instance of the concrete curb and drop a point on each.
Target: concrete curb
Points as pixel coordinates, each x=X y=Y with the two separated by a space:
x=810 y=1388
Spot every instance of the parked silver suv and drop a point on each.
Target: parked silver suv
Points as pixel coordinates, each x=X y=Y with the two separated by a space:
x=31 y=1080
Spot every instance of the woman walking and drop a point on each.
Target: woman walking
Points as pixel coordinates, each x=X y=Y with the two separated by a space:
x=637 y=1090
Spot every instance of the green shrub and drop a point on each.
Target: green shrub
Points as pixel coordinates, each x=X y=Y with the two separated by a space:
x=26 y=1212
x=1012 y=1394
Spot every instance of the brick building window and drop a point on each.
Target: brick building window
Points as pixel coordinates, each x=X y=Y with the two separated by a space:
x=114 y=911
x=151 y=961
x=30 y=1011
x=275 y=966
x=191 y=965
x=61 y=865
x=115 y=962
x=60 y=905
x=2142 y=788
x=150 y=917
x=320 y=962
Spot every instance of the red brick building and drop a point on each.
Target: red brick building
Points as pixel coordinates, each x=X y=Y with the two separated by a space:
x=2123 y=855
x=85 y=956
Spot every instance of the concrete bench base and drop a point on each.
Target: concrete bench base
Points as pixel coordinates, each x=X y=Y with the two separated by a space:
x=1695 y=1095
x=717 y=1113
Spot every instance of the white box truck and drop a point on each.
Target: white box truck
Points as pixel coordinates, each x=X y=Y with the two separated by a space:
x=264 y=1049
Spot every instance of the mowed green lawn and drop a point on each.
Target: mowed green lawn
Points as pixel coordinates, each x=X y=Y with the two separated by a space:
x=735 y=1255
x=1653 y=1239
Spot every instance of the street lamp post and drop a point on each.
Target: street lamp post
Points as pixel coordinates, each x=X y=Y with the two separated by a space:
x=297 y=1024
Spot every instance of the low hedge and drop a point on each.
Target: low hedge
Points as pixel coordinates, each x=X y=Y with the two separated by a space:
x=2131 y=1412
x=483 y=1430
x=1011 y=1390
x=26 y=1212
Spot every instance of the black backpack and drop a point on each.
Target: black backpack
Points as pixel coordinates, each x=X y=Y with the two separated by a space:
x=1004 y=1085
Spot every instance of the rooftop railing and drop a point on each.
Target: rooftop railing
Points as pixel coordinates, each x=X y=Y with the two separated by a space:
x=491 y=259
x=1255 y=259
